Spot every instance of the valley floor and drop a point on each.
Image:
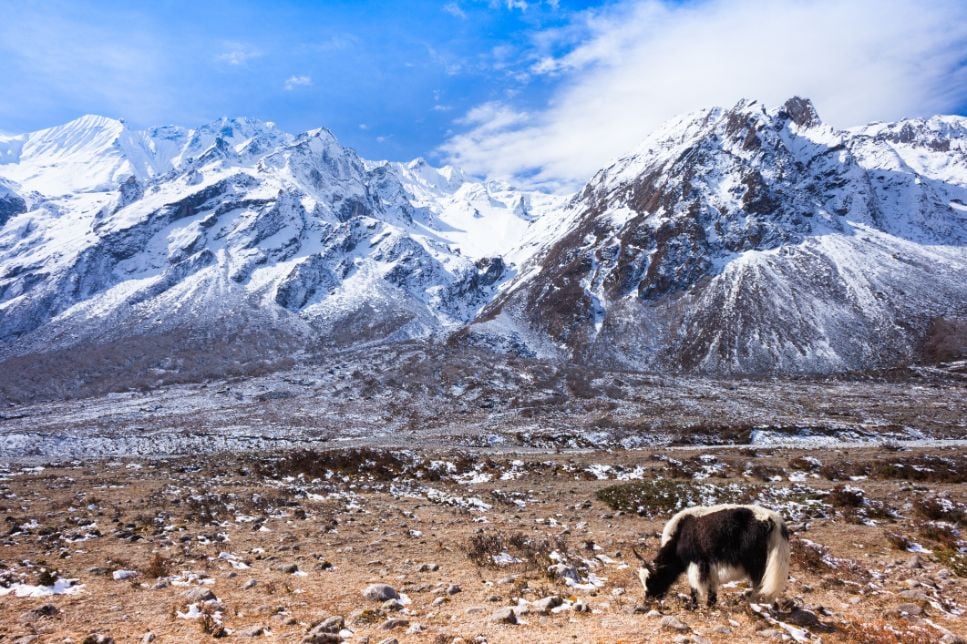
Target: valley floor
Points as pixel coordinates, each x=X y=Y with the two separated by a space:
x=270 y=544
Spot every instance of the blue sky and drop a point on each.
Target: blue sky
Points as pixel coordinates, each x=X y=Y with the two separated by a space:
x=388 y=77
x=539 y=91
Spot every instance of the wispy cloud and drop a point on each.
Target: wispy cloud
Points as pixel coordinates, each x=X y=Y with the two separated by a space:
x=642 y=62
x=454 y=9
x=236 y=53
x=293 y=82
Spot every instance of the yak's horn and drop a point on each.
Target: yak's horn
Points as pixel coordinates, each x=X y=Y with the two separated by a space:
x=638 y=556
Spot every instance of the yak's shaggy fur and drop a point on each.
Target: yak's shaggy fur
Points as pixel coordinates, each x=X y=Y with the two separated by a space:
x=718 y=544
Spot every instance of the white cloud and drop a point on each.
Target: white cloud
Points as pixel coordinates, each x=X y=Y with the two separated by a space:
x=454 y=9
x=292 y=82
x=237 y=54
x=642 y=62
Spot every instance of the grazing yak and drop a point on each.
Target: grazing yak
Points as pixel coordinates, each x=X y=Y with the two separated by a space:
x=717 y=544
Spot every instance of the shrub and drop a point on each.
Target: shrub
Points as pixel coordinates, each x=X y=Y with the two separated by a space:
x=942 y=533
x=483 y=546
x=533 y=553
x=940 y=508
x=899 y=541
x=844 y=496
x=158 y=567
x=662 y=496
x=953 y=559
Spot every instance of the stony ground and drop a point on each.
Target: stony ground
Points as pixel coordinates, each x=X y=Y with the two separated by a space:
x=472 y=546
x=404 y=394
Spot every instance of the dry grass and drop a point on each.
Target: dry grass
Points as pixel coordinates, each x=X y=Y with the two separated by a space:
x=168 y=519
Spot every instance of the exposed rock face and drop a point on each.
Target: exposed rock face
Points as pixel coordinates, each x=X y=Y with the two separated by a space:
x=753 y=241
x=746 y=240
x=147 y=233
x=11 y=203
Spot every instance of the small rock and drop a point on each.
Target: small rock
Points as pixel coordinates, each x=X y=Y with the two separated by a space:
x=45 y=610
x=288 y=568
x=97 y=638
x=438 y=601
x=653 y=613
x=910 y=609
x=121 y=575
x=332 y=624
x=722 y=630
x=389 y=640
x=769 y=634
x=380 y=592
x=200 y=595
x=504 y=616
x=672 y=623
x=453 y=589
x=581 y=606
x=251 y=583
x=414 y=629
x=395 y=622
x=915 y=562
x=251 y=631
x=802 y=617
x=914 y=595
x=428 y=567
x=325 y=631
x=148 y=638
x=544 y=606
x=563 y=571
x=322 y=638
x=393 y=605
x=950 y=638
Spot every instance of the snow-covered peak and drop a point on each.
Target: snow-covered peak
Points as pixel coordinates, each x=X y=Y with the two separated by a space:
x=753 y=239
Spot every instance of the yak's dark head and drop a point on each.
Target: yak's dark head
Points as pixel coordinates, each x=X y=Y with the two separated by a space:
x=646 y=571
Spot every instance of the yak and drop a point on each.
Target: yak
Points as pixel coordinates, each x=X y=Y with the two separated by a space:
x=717 y=544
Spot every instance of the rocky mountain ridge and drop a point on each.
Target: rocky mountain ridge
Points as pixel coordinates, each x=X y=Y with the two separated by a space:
x=754 y=240
x=732 y=241
x=110 y=232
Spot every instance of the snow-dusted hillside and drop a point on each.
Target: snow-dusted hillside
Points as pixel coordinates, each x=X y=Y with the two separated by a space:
x=755 y=240
x=109 y=232
x=748 y=240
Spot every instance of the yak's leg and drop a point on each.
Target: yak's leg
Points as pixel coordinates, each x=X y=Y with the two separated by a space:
x=698 y=578
x=713 y=585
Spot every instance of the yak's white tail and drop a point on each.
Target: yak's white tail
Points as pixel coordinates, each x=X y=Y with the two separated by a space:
x=777 y=561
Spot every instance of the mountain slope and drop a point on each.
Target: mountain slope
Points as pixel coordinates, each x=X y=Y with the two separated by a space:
x=139 y=233
x=739 y=241
x=752 y=241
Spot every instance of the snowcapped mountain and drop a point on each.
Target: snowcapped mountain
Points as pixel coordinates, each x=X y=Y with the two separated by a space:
x=747 y=240
x=754 y=240
x=109 y=232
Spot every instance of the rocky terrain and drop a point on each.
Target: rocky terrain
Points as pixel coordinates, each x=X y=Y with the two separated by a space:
x=382 y=545
x=395 y=394
x=254 y=386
